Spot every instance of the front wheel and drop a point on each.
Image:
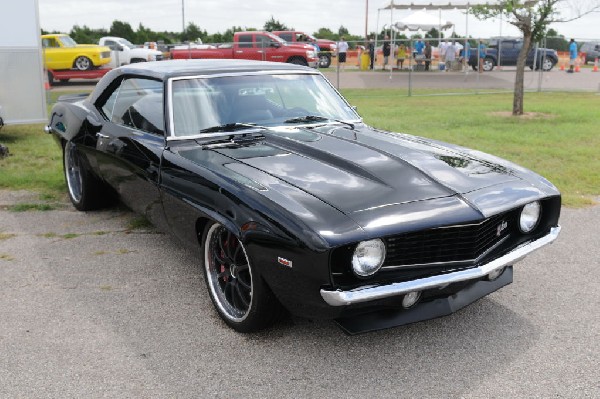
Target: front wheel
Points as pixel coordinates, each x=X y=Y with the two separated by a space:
x=83 y=63
x=547 y=64
x=237 y=291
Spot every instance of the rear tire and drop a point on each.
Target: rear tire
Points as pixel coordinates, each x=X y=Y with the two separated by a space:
x=488 y=64
x=240 y=296
x=86 y=191
x=324 y=60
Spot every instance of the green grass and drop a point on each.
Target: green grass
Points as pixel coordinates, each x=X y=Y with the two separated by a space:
x=24 y=207
x=560 y=143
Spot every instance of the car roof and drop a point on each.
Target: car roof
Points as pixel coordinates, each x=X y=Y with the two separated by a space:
x=163 y=70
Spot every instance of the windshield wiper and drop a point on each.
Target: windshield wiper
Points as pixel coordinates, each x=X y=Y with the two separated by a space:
x=317 y=118
x=230 y=127
x=306 y=118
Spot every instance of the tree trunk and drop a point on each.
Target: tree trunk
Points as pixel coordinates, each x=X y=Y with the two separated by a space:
x=520 y=78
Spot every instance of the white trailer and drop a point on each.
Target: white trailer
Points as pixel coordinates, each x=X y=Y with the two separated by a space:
x=22 y=87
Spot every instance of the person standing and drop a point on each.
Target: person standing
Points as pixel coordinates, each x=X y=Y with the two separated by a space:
x=466 y=55
x=427 y=53
x=342 y=49
x=450 y=56
x=419 y=46
x=401 y=55
x=572 y=55
x=371 y=52
x=387 y=48
x=481 y=55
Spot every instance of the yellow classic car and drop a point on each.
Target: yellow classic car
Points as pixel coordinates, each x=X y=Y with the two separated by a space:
x=62 y=52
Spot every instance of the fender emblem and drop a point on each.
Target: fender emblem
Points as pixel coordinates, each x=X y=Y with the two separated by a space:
x=501 y=227
x=284 y=262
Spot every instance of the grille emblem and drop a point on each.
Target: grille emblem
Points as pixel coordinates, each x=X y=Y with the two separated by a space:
x=501 y=227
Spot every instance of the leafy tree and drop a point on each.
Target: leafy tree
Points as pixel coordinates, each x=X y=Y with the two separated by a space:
x=192 y=33
x=325 y=33
x=342 y=31
x=532 y=18
x=274 y=25
x=556 y=41
x=433 y=34
x=122 y=29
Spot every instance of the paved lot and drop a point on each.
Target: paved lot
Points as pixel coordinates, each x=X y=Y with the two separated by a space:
x=89 y=308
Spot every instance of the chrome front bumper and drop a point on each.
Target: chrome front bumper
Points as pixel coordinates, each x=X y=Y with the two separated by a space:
x=371 y=293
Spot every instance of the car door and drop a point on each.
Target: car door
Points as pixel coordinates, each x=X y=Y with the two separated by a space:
x=509 y=53
x=130 y=142
x=247 y=49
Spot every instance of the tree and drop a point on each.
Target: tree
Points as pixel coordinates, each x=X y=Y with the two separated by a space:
x=122 y=29
x=273 y=25
x=192 y=33
x=556 y=41
x=532 y=18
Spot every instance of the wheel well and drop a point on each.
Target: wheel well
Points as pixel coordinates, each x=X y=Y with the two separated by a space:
x=201 y=224
x=297 y=59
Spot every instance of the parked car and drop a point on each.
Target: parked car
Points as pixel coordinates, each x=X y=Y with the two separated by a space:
x=591 y=50
x=124 y=52
x=509 y=53
x=292 y=201
x=253 y=45
x=61 y=52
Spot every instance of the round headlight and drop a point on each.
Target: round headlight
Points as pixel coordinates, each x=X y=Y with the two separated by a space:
x=530 y=216
x=368 y=257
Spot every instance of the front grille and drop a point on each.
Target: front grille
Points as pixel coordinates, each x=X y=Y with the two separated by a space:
x=461 y=243
x=159 y=57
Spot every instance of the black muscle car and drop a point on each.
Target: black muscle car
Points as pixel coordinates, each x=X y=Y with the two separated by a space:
x=293 y=202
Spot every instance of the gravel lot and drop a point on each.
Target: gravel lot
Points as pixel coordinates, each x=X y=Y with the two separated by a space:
x=90 y=308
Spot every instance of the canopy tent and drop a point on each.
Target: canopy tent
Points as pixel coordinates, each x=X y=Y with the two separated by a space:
x=420 y=20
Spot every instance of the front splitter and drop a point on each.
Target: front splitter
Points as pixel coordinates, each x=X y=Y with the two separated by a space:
x=389 y=318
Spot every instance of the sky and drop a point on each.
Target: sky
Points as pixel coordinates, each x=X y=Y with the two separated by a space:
x=304 y=15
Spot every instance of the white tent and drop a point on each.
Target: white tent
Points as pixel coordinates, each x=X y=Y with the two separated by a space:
x=420 y=20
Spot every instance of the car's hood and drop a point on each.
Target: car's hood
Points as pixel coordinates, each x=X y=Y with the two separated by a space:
x=358 y=170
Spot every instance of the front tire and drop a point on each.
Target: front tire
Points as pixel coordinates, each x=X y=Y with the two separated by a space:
x=86 y=192
x=240 y=296
x=83 y=63
x=324 y=60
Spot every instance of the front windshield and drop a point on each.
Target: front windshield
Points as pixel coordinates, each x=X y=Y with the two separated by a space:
x=67 y=41
x=265 y=100
x=126 y=43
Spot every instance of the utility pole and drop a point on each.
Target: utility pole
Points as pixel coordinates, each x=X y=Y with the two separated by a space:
x=182 y=16
x=367 y=20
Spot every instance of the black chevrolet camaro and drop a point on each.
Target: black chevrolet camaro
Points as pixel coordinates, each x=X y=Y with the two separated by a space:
x=292 y=201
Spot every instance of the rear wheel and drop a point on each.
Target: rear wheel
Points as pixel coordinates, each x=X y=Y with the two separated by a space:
x=324 y=60
x=83 y=63
x=488 y=64
x=239 y=294
x=86 y=192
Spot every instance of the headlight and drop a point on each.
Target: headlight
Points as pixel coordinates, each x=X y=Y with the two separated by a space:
x=368 y=257
x=530 y=216
x=311 y=54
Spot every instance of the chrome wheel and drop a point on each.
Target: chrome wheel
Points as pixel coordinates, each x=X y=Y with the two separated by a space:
x=73 y=172
x=83 y=63
x=228 y=273
x=488 y=64
x=547 y=65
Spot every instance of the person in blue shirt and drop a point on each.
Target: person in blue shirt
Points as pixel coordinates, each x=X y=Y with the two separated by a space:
x=481 y=55
x=572 y=55
x=419 y=46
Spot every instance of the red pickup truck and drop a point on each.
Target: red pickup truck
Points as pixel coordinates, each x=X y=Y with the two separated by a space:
x=328 y=47
x=262 y=46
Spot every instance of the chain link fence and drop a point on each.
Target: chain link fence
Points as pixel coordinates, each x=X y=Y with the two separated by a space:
x=466 y=65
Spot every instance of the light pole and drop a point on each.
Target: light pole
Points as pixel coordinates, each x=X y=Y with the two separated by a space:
x=366 y=20
x=182 y=16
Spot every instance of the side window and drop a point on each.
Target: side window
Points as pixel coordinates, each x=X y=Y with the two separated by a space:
x=111 y=44
x=286 y=36
x=137 y=103
x=245 y=40
x=507 y=45
x=262 y=41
